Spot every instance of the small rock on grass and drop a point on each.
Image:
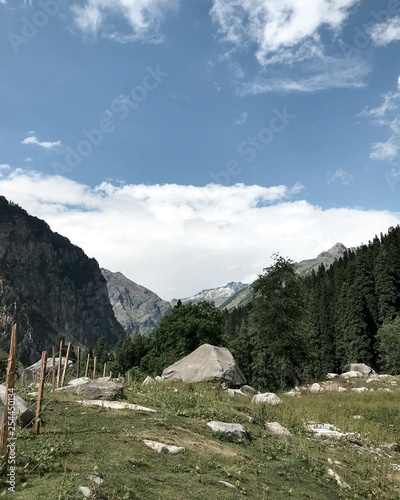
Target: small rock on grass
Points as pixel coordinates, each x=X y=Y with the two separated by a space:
x=86 y=492
x=276 y=429
x=163 y=448
x=228 y=485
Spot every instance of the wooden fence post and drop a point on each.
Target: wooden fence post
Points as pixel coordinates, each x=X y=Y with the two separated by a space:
x=78 y=361
x=36 y=428
x=94 y=366
x=65 y=365
x=104 y=369
x=53 y=373
x=10 y=380
x=87 y=365
x=59 y=363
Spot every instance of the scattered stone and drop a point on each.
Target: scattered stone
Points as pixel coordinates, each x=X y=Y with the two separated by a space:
x=360 y=389
x=96 y=480
x=86 y=492
x=100 y=388
x=330 y=431
x=158 y=379
x=114 y=405
x=342 y=389
x=31 y=374
x=277 y=429
x=315 y=388
x=247 y=389
x=228 y=485
x=235 y=392
x=331 y=376
x=359 y=367
x=148 y=380
x=294 y=392
x=357 y=417
x=24 y=413
x=236 y=430
x=268 y=398
x=334 y=462
x=396 y=467
x=207 y=362
x=338 y=479
x=163 y=448
x=352 y=374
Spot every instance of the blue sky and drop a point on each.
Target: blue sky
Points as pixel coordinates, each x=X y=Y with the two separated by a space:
x=183 y=143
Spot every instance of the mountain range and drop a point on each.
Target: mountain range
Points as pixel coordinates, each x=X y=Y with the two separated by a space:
x=49 y=287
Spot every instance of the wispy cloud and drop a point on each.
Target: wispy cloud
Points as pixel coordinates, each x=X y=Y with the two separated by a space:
x=241 y=119
x=383 y=34
x=176 y=239
x=143 y=16
x=387 y=114
x=341 y=176
x=31 y=139
x=285 y=37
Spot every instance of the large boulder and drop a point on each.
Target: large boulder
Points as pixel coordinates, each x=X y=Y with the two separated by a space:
x=100 y=388
x=234 y=430
x=31 y=374
x=359 y=367
x=207 y=362
x=24 y=413
x=268 y=398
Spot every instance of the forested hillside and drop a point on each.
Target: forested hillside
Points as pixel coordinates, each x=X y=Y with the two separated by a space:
x=297 y=328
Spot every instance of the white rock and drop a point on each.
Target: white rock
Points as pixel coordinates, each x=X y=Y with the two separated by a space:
x=96 y=480
x=338 y=479
x=331 y=376
x=330 y=431
x=148 y=380
x=158 y=379
x=85 y=491
x=277 y=429
x=235 y=392
x=268 y=398
x=341 y=389
x=228 y=485
x=360 y=389
x=293 y=393
x=359 y=367
x=352 y=374
x=233 y=429
x=315 y=388
x=163 y=448
x=357 y=417
x=79 y=381
x=114 y=405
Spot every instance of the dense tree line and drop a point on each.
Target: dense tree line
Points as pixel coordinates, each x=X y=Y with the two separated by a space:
x=296 y=328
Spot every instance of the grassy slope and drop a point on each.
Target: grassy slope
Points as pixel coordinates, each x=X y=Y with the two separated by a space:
x=78 y=441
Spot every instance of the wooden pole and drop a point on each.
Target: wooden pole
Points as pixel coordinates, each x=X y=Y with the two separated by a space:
x=129 y=377
x=59 y=363
x=94 y=366
x=65 y=365
x=10 y=380
x=78 y=361
x=87 y=365
x=110 y=374
x=104 y=369
x=36 y=428
x=53 y=373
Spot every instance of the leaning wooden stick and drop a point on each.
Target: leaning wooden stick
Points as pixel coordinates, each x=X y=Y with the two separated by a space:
x=36 y=428
x=65 y=365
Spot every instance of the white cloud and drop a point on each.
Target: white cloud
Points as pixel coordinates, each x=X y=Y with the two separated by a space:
x=177 y=240
x=286 y=38
x=143 y=16
x=282 y=30
x=383 y=34
x=341 y=176
x=241 y=119
x=387 y=114
x=33 y=140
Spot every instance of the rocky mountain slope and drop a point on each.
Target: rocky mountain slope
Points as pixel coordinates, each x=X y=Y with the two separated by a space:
x=49 y=287
x=135 y=307
x=243 y=297
x=217 y=295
